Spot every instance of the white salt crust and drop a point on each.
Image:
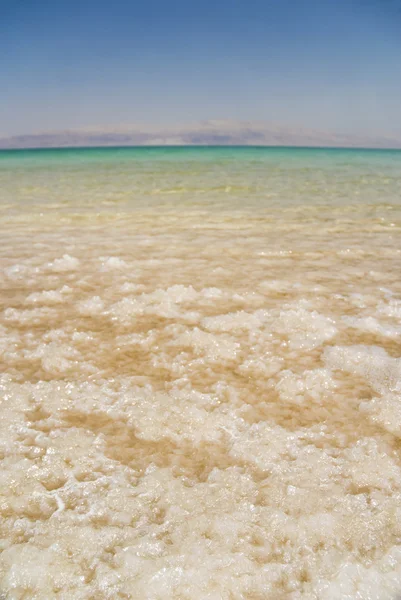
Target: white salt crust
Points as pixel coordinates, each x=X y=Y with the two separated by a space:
x=195 y=442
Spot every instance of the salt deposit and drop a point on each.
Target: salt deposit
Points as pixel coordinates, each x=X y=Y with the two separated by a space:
x=201 y=405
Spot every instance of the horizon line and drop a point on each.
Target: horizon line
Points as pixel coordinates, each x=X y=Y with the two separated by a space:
x=197 y=147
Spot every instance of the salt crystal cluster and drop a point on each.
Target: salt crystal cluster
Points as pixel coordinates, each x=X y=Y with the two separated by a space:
x=198 y=407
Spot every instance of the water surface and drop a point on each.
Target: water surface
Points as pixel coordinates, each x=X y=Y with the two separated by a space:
x=201 y=383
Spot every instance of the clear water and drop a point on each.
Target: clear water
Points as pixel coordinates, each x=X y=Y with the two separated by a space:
x=214 y=178
x=201 y=373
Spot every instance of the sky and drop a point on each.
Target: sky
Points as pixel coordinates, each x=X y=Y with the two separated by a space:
x=331 y=65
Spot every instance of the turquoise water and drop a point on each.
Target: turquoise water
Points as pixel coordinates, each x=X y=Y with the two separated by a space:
x=204 y=151
x=214 y=177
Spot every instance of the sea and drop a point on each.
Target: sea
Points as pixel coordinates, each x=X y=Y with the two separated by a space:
x=200 y=373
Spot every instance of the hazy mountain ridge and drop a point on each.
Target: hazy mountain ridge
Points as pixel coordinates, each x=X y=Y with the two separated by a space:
x=203 y=133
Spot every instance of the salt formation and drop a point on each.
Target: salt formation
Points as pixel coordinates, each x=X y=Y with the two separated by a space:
x=183 y=442
x=200 y=403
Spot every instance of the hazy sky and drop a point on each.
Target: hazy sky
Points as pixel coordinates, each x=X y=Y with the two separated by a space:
x=324 y=64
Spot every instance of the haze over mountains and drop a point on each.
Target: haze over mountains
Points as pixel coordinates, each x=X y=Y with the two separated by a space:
x=213 y=132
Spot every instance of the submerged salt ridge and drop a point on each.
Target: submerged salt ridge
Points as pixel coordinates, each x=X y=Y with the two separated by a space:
x=201 y=401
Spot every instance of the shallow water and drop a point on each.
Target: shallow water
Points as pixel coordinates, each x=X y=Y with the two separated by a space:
x=201 y=389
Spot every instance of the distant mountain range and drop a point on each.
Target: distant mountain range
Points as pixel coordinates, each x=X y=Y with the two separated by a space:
x=203 y=133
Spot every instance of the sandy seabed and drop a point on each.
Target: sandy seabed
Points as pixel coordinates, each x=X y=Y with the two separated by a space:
x=199 y=406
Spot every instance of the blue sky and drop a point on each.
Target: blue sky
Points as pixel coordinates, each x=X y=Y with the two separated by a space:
x=323 y=64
